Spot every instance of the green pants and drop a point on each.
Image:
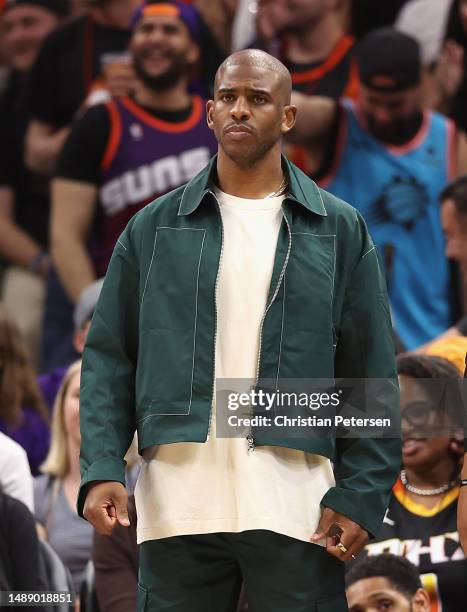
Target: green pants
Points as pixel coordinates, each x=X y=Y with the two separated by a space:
x=204 y=573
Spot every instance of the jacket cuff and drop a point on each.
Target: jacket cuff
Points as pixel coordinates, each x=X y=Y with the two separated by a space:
x=108 y=468
x=358 y=507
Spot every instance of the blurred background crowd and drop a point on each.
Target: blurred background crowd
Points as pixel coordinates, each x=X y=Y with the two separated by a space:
x=101 y=111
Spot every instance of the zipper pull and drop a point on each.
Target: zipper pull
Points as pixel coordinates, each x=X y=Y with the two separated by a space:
x=251 y=443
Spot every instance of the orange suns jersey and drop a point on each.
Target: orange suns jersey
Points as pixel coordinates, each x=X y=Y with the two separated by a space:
x=429 y=539
x=335 y=77
x=145 y=158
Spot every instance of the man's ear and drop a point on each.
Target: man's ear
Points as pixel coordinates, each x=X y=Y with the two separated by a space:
x=457 y=444
x=209 y=111
x=421 y=601
x=289 y=115
x=79 y=340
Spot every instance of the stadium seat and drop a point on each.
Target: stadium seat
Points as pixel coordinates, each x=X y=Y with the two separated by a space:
x=54 y=576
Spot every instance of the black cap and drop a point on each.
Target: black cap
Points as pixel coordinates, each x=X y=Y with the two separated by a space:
x=58 y=7
x=389 y=60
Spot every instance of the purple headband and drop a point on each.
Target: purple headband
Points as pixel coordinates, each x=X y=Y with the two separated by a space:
x=186 y=12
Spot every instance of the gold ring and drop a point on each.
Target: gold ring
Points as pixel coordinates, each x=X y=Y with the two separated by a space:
x=341 y=547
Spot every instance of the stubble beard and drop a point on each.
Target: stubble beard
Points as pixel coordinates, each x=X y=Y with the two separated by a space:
x=399 y=132
x=178 y=69
x=247 y=158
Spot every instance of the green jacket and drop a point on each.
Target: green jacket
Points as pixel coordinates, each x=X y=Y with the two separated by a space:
x=149 y=358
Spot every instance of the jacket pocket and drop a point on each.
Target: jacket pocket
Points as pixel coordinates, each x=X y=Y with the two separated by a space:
x=168 y=323
x=309 y=341
x=170 y=284
x=310 y=279
x=165 y=373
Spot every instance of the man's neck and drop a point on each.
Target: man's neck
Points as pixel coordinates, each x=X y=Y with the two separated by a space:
x=436 y=476
x=254 y=182
x=314 y=43
x=176 y=98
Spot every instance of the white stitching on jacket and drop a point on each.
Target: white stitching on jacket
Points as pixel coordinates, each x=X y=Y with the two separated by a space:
x=196 y=318
x=149 y=269
x=372 y=249
x=319 y=235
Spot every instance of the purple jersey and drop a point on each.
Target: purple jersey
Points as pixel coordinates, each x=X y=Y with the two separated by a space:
x=145 y=158
x=33 y=434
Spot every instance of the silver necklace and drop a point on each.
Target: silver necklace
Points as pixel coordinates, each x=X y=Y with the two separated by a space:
x=427 y=492
x=281 y=189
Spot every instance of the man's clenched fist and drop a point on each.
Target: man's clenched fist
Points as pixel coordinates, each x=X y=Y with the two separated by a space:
x=106 y=505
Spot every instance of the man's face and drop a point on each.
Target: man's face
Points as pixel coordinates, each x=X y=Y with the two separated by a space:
x=389 y=114
x=249 y=113
x=294 y=15
x=25 y=27
x=309 y=10
x=455 y=231
x=378 y=595
x=163 y=51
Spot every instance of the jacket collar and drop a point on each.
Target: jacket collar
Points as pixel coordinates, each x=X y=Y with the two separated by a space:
x=302 y=189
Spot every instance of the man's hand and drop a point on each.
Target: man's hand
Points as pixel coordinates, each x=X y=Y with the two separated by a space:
x=349 y=534
x=462 y=518
x=106 y=505
x=120 y=79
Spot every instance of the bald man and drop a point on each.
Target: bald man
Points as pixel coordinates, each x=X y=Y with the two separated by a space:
x=248 y=276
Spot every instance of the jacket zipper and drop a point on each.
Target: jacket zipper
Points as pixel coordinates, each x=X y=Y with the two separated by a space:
x=215 y=313
x=249 y=437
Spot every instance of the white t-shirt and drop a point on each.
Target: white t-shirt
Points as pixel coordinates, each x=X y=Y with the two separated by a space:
x=192 y=488
x=15 y=474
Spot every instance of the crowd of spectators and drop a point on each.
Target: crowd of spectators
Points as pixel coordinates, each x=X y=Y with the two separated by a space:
x=102 y=111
